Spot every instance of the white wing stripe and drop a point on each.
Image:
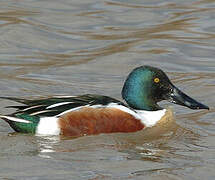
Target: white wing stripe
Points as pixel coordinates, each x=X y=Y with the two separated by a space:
x=32 y=107
x=40 y=112
x=15 y=119
x=58 y=104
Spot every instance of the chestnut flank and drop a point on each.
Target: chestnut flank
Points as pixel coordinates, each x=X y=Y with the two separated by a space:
x=88 y=121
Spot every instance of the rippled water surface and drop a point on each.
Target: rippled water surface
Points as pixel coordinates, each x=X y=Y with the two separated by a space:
x=74 y=47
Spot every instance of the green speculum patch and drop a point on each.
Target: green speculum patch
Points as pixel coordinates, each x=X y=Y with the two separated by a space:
x=25 y=127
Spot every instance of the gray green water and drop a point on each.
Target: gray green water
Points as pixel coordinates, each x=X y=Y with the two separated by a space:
x=74 y=47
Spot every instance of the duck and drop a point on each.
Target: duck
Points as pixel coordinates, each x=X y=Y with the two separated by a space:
x=92 y=114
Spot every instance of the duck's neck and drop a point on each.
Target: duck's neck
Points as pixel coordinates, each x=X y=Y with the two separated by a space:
x=140 y=101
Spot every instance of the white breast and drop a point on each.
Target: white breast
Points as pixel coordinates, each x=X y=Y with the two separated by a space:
x=150 y=118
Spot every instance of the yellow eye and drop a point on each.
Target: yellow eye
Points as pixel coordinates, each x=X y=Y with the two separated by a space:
x=156 y=80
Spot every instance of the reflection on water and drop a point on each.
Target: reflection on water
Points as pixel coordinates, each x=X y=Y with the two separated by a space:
x=77 y=47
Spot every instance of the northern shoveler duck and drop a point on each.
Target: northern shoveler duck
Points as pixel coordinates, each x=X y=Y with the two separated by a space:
x=91 y=114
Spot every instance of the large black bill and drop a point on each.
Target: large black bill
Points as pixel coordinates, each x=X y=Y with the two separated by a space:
x=178 y=97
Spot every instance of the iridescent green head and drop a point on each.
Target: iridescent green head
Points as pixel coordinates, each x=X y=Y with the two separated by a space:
x=145 y=86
